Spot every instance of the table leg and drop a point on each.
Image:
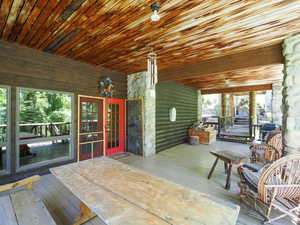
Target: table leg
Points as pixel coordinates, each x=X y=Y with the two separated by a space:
x=226 y=167
x=228 y=181
x=213 y=168
x=85 y=214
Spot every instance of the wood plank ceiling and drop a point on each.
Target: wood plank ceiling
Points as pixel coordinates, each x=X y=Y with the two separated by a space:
x=118 y=34
x=244 y=77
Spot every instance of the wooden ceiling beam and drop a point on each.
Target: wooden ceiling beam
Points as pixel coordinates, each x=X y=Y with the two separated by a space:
x=253 y=58
x=238 y=89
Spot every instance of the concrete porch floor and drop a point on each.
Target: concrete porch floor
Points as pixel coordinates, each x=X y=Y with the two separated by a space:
x=184 y=164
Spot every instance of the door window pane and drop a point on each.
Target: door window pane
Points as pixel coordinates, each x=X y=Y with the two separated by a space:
x=45 y=124
x=3 y=128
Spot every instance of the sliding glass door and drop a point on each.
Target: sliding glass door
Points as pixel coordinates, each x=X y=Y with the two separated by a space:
x=4 y=129
x=44 y=127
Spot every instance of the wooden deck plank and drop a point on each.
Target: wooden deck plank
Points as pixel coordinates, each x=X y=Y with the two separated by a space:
x=172 y=202
x=7 y=216
x=29 y=209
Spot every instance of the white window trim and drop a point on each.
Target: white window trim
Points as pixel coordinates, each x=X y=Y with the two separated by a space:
x=18 y=142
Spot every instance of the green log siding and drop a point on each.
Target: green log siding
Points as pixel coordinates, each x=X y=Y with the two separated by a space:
x=184 y=99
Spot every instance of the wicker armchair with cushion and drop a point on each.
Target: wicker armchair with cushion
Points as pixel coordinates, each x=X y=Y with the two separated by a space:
x=275 y=187
x=268 y=152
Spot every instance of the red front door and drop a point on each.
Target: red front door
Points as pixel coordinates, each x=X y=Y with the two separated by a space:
x=91 y=127
x=115 y=126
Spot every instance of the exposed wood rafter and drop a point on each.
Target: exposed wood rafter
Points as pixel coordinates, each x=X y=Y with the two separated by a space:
x=253 y=58
x=237 y=90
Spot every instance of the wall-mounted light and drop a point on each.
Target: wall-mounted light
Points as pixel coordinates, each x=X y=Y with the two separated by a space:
x=155 y=9
x=172 y=114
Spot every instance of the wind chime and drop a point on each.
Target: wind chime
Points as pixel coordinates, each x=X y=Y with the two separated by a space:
x=152 y=68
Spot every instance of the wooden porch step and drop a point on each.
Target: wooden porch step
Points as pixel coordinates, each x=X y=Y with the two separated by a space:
x=242 y=140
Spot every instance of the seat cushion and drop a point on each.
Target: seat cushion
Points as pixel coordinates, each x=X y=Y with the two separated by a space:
x=255 y=167
x=251 y=178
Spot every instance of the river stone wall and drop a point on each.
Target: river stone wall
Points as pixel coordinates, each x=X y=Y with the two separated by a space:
x=139 y=87
x=291 y=94
x=277 y=103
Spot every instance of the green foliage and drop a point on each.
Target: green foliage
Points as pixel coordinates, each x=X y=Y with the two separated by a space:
x=44 y=107
x=3 y=105
x=211 y=105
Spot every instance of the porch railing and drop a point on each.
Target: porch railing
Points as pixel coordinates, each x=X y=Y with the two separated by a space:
x=255 y=130
x=40 y=129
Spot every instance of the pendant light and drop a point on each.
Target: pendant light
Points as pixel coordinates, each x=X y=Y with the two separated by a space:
x=155 y=9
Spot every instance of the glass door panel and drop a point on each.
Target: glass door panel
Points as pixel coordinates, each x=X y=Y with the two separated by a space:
x=91 y=138
x=4 y=151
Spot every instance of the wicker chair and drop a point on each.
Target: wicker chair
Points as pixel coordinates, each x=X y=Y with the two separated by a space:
x=268 y=152
x=277 y=187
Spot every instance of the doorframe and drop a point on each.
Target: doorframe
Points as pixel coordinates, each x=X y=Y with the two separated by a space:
x=142 y=110
x=124 y=121
x=103 y=122
x=9 y=156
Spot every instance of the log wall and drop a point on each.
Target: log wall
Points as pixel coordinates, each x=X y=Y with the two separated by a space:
x=184 y=99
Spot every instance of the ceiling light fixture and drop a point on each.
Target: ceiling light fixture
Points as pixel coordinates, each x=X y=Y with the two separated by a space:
x=155 y=9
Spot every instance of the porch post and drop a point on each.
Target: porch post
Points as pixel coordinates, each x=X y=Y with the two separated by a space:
x=291 y=94
x=231 y=102
x=252 y=104
x=276 y=103
x=199 y=107
x=139 y=87
x=223 y=105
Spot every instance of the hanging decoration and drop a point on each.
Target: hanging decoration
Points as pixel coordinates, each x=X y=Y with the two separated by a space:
x=106 y=87
x=152 y=68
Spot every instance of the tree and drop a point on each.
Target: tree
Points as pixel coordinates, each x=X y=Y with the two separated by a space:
x=44 y=107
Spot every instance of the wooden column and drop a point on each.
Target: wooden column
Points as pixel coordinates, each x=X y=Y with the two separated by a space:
x=223 y=105
x=231 y=102
x=252 y=107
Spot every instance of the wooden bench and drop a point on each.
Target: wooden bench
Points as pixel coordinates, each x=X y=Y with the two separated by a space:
x=21 y=206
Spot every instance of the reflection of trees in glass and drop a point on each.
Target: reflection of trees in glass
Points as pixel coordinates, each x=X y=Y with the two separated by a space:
x=211 y=105
x=44 y=107
x=3 y=105
x=242 y=105
x=3 y=113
